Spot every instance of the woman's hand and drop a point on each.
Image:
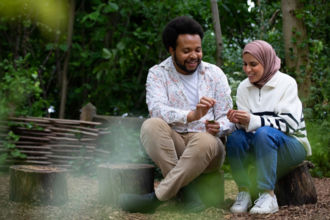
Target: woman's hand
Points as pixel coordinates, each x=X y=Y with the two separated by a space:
x=238 y=116
x=212 y=127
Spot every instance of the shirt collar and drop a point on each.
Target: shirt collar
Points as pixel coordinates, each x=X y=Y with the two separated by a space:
x=271 y=83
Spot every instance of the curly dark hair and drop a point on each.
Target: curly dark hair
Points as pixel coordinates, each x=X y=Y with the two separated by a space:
x=177 y=26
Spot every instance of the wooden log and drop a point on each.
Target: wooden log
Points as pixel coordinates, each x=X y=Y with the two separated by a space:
x=64 y=143
x=69 y=157
x=33 y=147
x=79 y=127
x=19 y=124
x=55 y=161
x=30 y=158
x=71 y=122
x=17 y=143
x=131 y=122
x=70 y=151
x=38 y=185
x=75 y=140
x=68 y=146
x=23 y=161
x=73 y=131
x=294 y=185
x=30 y=119
x=211 y=188
x=88 y=112
x=31 y=132
x=35 y=152
x=115 y=179
x=35 y=138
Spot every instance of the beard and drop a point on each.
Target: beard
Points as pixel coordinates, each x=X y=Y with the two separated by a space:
x=183 y=67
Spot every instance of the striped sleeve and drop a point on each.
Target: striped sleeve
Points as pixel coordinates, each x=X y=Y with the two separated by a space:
x=286 y=116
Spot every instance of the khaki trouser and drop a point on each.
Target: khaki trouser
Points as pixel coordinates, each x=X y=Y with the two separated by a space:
x=181 y=156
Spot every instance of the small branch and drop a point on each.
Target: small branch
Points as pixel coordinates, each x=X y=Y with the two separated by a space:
x=261 y=22
x=58 y=63
x=81 y=5
x=272 y=19
x=40 y=70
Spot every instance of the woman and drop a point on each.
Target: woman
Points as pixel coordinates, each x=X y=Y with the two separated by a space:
x=270 y=127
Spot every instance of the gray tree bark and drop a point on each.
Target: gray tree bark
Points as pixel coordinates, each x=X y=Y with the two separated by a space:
x=64 y=89
x=296 y=48
x=217 y=31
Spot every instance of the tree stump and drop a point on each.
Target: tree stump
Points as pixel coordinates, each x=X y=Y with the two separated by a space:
x=38 y=185
x=294 y=185
x=115 y=179
x=211 y=188
x=88 y=112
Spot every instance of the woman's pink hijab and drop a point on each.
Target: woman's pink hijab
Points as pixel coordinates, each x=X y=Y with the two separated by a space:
x=266 y=55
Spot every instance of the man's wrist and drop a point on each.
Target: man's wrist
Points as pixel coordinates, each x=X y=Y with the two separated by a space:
x=191 y=116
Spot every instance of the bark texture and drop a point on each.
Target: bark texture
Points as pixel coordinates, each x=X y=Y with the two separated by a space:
x=38 y=185
x=296 y=47
x=115 y=179
x=294 y=185
x=217 y=31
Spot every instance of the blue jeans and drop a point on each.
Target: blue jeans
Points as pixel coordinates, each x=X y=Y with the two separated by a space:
x=267 y=149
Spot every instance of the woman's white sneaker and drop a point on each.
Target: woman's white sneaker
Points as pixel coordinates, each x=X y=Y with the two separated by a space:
x=265 y=204
x=242 y=203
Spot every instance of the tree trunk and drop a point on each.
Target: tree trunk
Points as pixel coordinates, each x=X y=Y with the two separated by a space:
x=217 y=31
x=296 y=47
x=115 y=179
x=64 y=89
x=38 y=185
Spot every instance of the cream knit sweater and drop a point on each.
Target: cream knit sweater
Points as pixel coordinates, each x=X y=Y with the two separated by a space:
x=276 y=105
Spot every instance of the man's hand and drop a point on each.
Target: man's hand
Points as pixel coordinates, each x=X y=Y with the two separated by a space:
x=238 y=116
x=212 y=127
x=205 y=103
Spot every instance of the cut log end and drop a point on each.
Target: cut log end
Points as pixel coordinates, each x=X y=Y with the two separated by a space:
x=115 y=179
x=38 y=185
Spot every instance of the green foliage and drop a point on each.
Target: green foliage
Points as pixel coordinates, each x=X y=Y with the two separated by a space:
x=20 y=92
x=124 y=144
x=114 y=44
x=318 y=135
x=9 y=145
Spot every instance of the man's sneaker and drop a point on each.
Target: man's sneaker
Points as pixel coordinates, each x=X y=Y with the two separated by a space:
x=242 y=203
x=265 y=204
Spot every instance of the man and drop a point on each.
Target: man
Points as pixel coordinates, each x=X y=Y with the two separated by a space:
x=188 y=100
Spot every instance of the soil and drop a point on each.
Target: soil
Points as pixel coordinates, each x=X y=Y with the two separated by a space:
x=83 y=204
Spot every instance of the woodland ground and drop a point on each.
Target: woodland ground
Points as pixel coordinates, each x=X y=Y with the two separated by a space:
x=83 y=196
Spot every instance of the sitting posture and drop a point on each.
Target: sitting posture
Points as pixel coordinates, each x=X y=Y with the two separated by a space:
x=188 y=100
x=271 y=131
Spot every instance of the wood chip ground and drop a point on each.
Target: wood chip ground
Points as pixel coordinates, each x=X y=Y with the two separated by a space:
x=83 y=204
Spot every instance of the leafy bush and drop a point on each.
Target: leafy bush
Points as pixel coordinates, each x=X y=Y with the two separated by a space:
x=318 y=135
x=20 y=92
